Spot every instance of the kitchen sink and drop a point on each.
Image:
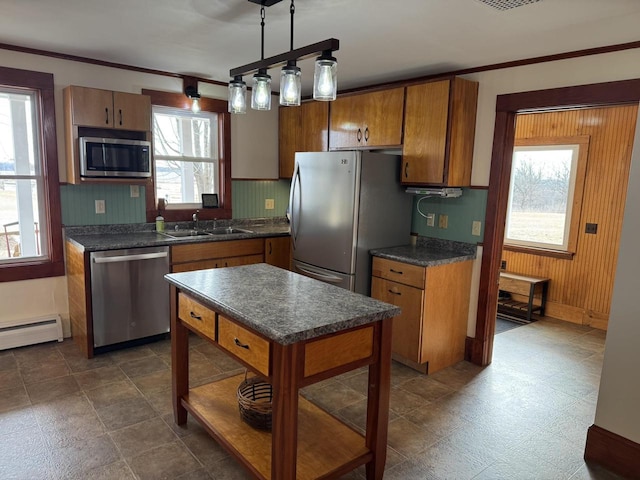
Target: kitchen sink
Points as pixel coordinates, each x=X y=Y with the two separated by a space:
x=185 y=233
x=227 y=231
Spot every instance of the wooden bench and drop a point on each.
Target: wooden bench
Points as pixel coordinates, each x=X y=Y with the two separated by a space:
x=531 y=287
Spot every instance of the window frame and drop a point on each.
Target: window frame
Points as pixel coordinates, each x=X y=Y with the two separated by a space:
x=53 y=265
x=181 y=101
x=578 y=191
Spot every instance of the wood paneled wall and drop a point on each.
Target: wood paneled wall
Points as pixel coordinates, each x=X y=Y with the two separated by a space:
x=580 y=288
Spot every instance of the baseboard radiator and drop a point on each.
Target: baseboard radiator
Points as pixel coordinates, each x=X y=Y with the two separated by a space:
x=29 y=331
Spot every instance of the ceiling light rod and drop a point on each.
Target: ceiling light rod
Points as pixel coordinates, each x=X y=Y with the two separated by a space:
x=331 y=44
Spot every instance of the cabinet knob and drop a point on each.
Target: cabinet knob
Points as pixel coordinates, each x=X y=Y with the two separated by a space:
x=120 y=113
x=406 y=170
x=270 y=248
x=194 y=316
x=359 y=135
x=395 y=292
x=366 y=134
x=399 y=272
x=106 y=116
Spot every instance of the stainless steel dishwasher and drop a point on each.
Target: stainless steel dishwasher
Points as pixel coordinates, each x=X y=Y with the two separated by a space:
x=129 y=296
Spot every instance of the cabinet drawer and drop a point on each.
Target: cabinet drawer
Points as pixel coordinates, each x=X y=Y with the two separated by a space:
x=412 y=275
x=244 y=344
x=194 y=252
x=196 y=315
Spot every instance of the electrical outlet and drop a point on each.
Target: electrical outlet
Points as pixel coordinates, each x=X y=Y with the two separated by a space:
x=476 y=227
x=134 y=191
x=431 y=219
x=591 y=228
x=100 y=208
x=443 y=221
x=269 y=204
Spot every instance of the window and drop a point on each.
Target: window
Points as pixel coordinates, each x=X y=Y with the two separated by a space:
x=191 y=157
x=30 y=230
x=186 y=155
x=545 y=194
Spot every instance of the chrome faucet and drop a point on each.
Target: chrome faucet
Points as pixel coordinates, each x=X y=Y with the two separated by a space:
x=195 y=219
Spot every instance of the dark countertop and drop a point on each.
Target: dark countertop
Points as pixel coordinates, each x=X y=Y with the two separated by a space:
x=115 y=237
x=283 y=306
x=429 y=252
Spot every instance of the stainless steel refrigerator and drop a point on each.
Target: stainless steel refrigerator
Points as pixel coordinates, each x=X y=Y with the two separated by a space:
x=341 y=205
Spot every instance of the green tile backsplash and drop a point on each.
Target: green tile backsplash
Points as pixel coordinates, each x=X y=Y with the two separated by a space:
x=462 y=212
x=78 y=205
x=248 y=200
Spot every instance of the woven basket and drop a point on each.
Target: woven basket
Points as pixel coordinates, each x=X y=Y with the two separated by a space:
x=254 y=402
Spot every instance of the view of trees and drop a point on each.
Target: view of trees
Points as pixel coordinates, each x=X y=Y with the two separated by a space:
x=185 y=156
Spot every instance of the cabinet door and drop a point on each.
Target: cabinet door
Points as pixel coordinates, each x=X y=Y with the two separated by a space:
x=382 y=121
x=407 y=327
x=288 y=132
x=346 y=122
x=132 y=111
x=314 y=136
x=91 y=107
x=425 y=133
x=277 y=251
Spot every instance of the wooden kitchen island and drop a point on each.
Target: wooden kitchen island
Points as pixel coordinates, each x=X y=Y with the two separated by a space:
x=293 y=331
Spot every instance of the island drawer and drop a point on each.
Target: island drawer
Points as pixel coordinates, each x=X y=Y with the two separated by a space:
x=412 y=275
x=196 y=315
x=244 y=344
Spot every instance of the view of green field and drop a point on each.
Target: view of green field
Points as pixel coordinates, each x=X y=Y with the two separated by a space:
x=539 y=227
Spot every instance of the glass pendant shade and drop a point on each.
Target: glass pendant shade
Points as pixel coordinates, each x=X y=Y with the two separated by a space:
x=325 y=78
x=237 y=96
x=290 y=85
x=261 y=93
x=195 y=105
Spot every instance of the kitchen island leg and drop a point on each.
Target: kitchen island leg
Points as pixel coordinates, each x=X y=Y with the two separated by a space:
x=179 y=361
x=284 y=426
x=378 y=402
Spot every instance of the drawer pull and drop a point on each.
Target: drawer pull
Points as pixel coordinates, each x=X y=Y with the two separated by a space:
x=394 y=292
x=399 y=272
x=194 y=316
x=240 y=344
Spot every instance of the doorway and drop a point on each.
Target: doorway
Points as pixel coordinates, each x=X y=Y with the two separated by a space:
x=507 y=108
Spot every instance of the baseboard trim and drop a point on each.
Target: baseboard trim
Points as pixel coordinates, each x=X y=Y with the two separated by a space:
x=616 y=453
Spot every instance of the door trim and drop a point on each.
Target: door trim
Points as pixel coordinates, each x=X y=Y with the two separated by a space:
x=480 y=348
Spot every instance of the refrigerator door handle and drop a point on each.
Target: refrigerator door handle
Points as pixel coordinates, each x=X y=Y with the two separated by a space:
x=296 y=182
x=319 y=276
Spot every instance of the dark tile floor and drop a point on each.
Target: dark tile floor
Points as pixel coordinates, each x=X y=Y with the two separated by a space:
x=523 y=417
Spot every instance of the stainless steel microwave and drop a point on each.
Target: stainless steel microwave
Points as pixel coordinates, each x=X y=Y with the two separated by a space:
x=114 y=157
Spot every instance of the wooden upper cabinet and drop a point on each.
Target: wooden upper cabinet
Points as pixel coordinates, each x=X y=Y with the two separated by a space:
x=302 y=129
x=371 y=119
x=93 y=107
x=439 y=131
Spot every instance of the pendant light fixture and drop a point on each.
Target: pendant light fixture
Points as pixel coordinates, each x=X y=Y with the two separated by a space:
x=325 y=77
x=237 y=95
x=290 y=75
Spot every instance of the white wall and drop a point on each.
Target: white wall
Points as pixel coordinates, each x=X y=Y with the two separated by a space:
x=619 y=399
x=618 y=409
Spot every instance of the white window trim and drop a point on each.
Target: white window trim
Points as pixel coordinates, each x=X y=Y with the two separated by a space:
x=564 y=247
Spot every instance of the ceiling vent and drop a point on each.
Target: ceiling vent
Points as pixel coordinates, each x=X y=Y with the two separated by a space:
x=507 y=4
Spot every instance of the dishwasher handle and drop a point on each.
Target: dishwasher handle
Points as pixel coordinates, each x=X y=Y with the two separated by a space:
x=130 y=258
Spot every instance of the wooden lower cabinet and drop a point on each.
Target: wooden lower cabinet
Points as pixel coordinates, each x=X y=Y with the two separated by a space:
x=232 y=253
x=430 y=333
x=277 y=252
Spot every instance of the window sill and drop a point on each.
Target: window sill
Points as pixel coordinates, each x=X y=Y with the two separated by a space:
x=540 y=252
x=31 y=270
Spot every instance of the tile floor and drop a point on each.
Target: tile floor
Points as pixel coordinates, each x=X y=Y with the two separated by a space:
x=523 y=417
